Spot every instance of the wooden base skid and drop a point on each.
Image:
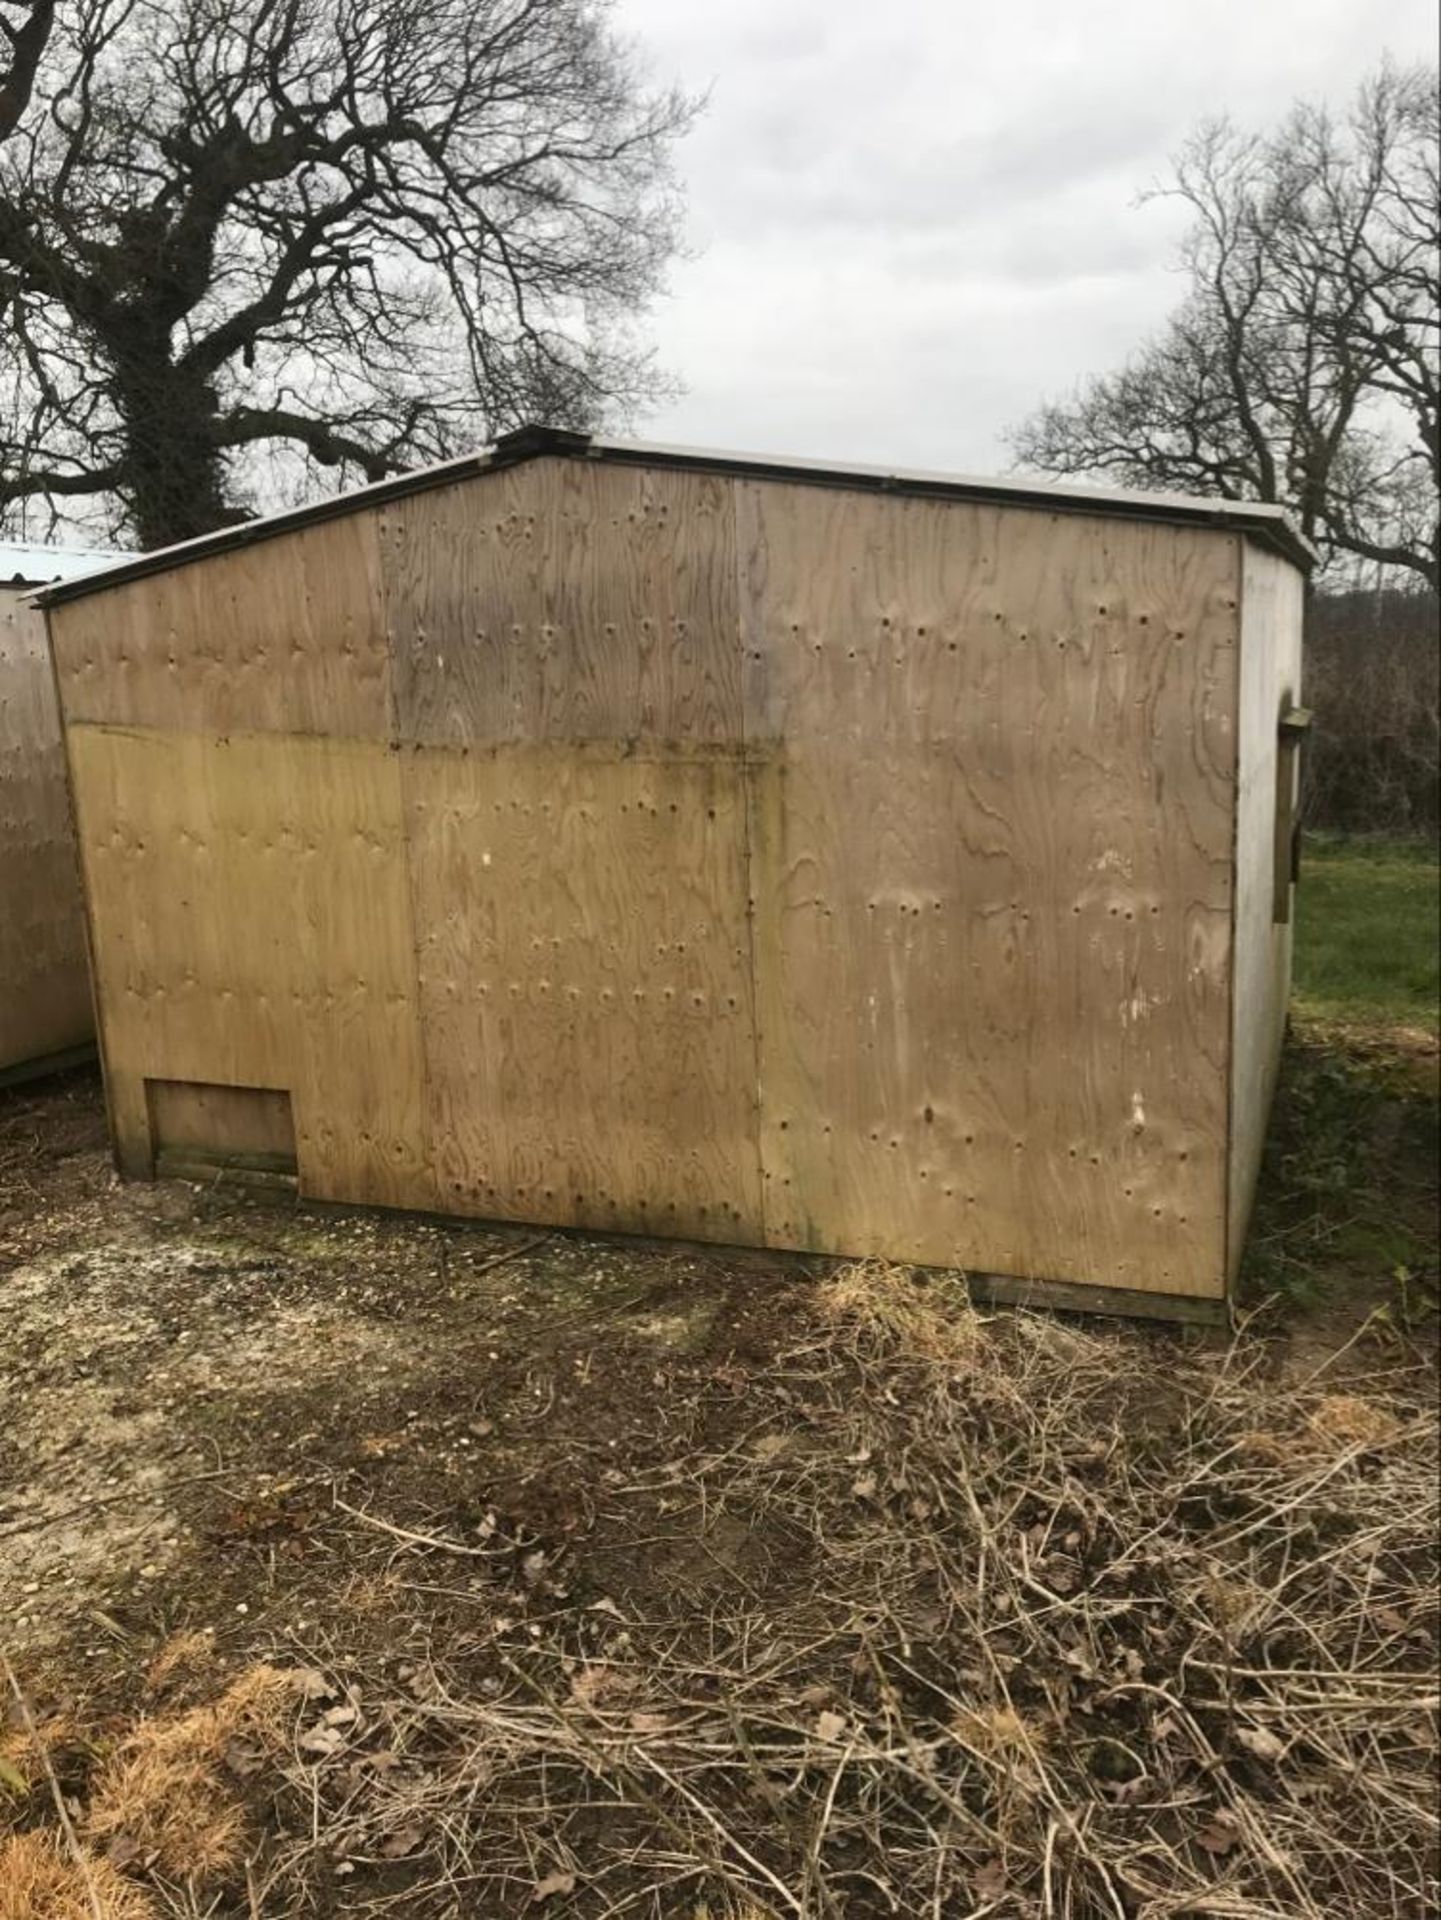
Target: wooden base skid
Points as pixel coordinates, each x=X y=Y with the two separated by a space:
x=20 y=1071
x=991 y=1289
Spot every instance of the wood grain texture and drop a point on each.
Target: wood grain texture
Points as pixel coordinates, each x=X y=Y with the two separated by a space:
x=198 y=1120
x=284 y=636
x=585 y=987
x=1272 y=602
x=252 y=928
x=565 y=601
x=44 y=976
x=991 y=838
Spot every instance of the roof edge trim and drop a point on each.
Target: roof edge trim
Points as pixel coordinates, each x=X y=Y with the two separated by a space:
x=1269 y=526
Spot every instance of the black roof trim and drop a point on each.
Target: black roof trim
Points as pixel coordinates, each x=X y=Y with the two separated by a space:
x=1267 y=525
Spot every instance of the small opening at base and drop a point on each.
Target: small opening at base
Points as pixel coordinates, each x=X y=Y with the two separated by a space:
x=198 y=1121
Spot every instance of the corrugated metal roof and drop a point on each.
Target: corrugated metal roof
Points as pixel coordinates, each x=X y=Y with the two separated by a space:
x=1266 y=524
x=33 y=566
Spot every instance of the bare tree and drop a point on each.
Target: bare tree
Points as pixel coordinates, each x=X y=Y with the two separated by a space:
x=1303 y=366
x=244 y=240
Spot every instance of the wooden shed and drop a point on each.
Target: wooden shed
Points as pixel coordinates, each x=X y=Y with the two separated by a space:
x=689 y=844
x=46 y=1018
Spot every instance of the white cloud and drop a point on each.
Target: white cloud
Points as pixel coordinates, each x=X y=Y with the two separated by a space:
x=913 y=219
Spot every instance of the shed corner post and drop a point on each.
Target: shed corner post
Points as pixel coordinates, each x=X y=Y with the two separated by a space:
x=1269 y=726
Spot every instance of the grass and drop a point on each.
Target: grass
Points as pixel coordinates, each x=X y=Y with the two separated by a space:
x=1366 y=932
x=1348 y=1205
x=39 y=1880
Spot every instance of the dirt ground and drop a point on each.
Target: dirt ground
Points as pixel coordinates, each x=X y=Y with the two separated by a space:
x=455 y=1570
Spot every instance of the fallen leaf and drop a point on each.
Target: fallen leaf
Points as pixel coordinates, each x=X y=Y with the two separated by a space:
x=553 y=1883
x=395 y=1846
x=1125 y=1793
x=864 y=1488
x=769 y=1445
x=606 y=1606
x=1258 y=1741
x=243 y=1757
x=649 y=1723
x=533 y=1566
x=597 y=1678
x=1220 y=1836
x=322 y=1740
x=990 y=1882
x=311 y=1684
x=830 y=1726
x=12 y=1778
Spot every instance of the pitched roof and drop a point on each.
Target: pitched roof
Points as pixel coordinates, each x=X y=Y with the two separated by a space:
x=1268 y=525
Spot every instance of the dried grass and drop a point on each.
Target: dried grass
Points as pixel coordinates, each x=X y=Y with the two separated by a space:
x=1020 y=1619
x=1071 y=1623
x=183 y=1656
x=165 y=1796
x=923 y=1316
x=1345 y=1420
x=23 y=1747
x=39 y=1881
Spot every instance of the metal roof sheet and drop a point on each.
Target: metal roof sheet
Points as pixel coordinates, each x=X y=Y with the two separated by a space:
x=1269 y=525
x=25 y=565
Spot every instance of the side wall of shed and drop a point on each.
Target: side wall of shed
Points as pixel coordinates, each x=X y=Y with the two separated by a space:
x=1272 y=597
x=45 y=1005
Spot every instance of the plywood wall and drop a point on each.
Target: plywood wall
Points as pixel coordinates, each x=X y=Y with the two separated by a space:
x=585 y=988
x=631 y=848
x=1272 y=596
x=252 y=928
x=287 y=636
x=44 y=980
x=564 y=601
x=992 y=859
x=568 y=699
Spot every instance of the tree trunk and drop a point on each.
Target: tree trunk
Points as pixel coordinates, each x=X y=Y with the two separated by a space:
x=175 y=479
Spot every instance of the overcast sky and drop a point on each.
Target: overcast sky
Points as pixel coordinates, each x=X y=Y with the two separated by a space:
x=915 y=218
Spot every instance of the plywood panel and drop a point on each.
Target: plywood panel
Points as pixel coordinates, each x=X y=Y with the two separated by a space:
x=287 y=635
x=564 y=600
x=44 y=979
x=585 y=986
x=991 y=830
x=1272 y=601
x=252 y=928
